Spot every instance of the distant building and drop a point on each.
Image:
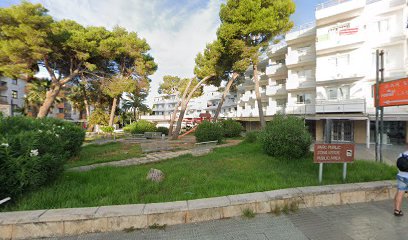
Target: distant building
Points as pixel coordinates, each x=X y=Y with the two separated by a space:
x=12 y=93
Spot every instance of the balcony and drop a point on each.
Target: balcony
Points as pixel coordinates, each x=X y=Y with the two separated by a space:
x=295 y=82
x=297 y=34
x=3 y=100
x=277 y=49
x=334 y=10
x=272 y=90
x=350 y=40
x=297 y=59
x=300 y=109
x=341 y=106
x=156 y=118
x=343 y=73
x=3 y=85
x=276 y=69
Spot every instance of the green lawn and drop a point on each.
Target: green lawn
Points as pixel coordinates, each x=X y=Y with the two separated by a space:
x=233 y=170
x=107 y=152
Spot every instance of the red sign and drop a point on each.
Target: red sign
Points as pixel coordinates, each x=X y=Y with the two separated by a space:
x=393 y=93
x=348 y=31
x=333 y=153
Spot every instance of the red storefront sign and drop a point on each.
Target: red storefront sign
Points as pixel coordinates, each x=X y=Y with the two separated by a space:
x=333 y=153
x=393 y=93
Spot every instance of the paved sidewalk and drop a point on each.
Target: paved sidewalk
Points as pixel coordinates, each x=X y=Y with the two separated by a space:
x=149 y=158
x=358 y=221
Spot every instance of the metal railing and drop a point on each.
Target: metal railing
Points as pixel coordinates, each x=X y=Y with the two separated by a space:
x=331 y=3
x=341 y=105
x=303 y=27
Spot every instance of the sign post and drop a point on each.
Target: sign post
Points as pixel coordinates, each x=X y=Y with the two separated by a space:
x=333 y=153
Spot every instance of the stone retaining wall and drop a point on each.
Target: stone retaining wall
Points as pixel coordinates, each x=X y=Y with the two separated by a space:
x=74 y=221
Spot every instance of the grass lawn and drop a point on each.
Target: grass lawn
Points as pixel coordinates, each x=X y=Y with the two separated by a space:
x=233 y=170
x=108 y=152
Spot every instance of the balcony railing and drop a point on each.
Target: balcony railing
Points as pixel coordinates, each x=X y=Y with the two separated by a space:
x=341 y=106
x=275 y=69
x=275 y=89
x=3 y=100
x=300 y=109
x=331 y=3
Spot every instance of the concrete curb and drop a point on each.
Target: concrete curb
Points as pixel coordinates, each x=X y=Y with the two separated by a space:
x=75 y=221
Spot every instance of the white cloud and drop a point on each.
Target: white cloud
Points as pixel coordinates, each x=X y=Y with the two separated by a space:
x=175 y=30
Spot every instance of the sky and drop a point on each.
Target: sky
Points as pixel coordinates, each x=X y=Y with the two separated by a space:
x=176 y=30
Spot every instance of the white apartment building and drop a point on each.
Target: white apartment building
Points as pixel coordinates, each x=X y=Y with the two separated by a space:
x=228 y=108
x=331 y=70
x=12 y=92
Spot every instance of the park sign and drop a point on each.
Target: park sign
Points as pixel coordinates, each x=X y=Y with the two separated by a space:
x=393 y=93
x=333 y=153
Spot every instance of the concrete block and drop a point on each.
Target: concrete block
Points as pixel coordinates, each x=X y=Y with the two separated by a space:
x=375 y=185
x=248 y=198
x=306 y=201
x=167 y=218
x=20 y=216
x=77 y=227
x=314 y=190
x=5 y=232
x=283 y=193
x=348 y=187
x=68 y=214
x=237 y=210
x=327 y=199
x=120 y=223
x=37 y=230
x=352 y=197
x=205 y=214
x=208 y=203
x=263 y=207
x=165 y=207
x=120 y=210
x=378 y=194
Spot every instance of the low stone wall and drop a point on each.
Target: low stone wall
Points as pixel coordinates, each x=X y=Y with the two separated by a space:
x=74 y=221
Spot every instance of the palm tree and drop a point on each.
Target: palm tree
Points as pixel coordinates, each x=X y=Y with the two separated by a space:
x=134 y=103
x=36 y=93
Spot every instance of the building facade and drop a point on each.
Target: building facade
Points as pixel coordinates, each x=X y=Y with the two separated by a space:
x=331 y=69
x=12 y=93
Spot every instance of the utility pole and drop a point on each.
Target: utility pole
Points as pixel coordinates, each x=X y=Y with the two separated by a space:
x=379 y=111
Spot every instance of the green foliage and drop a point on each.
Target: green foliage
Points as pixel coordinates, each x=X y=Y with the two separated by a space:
x=251 y=137
x=140 y=127
x=163 y=130
x=209 y=131
x=248 y=213
x=99 y=117
x=286 y=137
x=231 y=128
x=33 y=152
x=107 y=129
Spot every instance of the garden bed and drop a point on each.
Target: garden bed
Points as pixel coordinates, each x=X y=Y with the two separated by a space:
x=226 y=171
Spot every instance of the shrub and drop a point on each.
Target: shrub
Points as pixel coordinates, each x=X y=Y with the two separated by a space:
x=33 y=152
x=163 y=130
x=140 y=126
x=231 y=128
x=286 y=136
x=99 y=117
x=107 y=129
x=208 y=131
x=251 y=137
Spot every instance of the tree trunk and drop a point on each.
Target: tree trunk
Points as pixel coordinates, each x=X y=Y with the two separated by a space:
x=86 y=103
x=174 y=114
x=226 y=91
x=258 y=96
x=184 y=106
x=50 y=97
x=112 y=114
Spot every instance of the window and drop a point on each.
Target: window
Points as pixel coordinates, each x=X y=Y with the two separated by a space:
x=339 y=61
x=382 y=25
x=281 y=102
x=304 y=98
x=281 y=81
x=280 y=61
x=342 y=92
x=14 y=81
x=14 y=94
x=60 y=110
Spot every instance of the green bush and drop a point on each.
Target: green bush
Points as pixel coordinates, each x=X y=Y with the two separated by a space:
x=251 y=137
x=287 y=137
x=208 y=131
x=107 y=129
x=231 y=128
x=33 y=152
x=140 y=126
x=163 y=130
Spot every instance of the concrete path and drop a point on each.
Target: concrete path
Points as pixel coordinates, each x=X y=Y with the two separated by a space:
x=372 y=220
x=149 y=158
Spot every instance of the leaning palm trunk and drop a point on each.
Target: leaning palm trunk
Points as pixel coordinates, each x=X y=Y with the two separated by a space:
x=174 y=114
x=226 y=91
x=184 y=106
x=258 y=96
